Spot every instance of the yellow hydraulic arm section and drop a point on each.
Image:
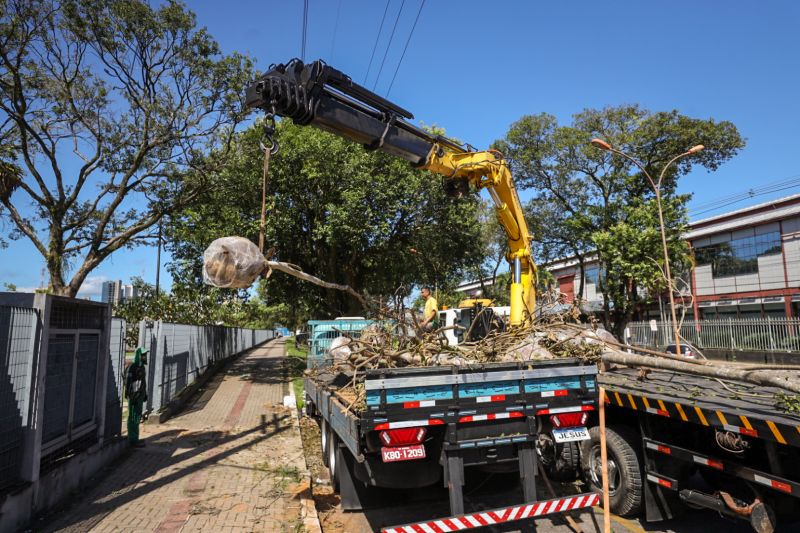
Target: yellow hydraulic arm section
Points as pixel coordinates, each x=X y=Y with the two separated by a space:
x=319 y=95
x=488 y=170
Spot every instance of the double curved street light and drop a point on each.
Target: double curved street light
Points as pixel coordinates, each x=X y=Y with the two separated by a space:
x=656 y=185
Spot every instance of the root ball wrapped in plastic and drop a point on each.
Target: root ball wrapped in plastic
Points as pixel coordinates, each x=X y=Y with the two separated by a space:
x=232 y=262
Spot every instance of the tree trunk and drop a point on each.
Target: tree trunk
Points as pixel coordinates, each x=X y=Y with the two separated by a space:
x=55 y=262
x=762 y=378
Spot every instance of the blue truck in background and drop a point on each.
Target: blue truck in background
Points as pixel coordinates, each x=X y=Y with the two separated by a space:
x=426 y=425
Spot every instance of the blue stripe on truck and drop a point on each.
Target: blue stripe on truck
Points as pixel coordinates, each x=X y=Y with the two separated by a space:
x=542 y=385
x=473 y=390
x=411 y=394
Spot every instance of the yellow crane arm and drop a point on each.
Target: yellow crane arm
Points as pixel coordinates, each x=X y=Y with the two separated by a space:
x=319 y=95
x=489 y=170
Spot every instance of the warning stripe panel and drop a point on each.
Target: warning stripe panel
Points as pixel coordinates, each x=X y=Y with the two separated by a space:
x=409 y=424
x=729 y=467
x=498 y=516
x=741 y=424
x=491 y=416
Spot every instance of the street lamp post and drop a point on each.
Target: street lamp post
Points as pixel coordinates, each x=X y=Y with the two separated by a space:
x=656 y=185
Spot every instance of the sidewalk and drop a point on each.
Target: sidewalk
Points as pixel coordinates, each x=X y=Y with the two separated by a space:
x=230 y=462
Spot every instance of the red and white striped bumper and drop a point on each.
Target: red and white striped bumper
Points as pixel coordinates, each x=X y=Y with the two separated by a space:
x=498 y=516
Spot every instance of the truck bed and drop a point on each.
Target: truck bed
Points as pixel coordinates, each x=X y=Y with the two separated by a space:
x=750 y=410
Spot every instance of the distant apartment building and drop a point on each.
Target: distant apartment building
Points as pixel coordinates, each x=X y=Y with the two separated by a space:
x=115 y=292
x=747 y=265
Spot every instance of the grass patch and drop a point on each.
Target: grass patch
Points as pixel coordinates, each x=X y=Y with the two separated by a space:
x=297 y=364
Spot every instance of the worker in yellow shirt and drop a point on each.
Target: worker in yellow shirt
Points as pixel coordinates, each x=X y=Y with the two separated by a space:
x=430 y=317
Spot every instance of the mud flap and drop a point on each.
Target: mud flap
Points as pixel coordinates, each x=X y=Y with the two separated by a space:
x=355 y=494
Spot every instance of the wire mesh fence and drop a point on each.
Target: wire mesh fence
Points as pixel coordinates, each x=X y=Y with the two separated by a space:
x=179 y=354
x=113 y=420
x=56 y=378
x=762 y=335
x=18 y=337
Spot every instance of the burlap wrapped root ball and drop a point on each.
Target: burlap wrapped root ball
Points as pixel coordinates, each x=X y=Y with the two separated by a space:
x=232 y=262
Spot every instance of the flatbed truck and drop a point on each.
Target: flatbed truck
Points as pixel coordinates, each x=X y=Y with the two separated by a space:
x=422 y=426
x=676 y=440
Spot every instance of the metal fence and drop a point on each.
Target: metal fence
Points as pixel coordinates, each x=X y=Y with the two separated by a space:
x=179 y=354
x=763 y=335
x=18 y=339
x=116 y=370
x=60 y=387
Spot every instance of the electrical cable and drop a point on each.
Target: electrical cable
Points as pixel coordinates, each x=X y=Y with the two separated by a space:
x=388 y=45
x=305 y=30
x=335 y=30
x=769 y=188
x=377 y=38
x=405 y=47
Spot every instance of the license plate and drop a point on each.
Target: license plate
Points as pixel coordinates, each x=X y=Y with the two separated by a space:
x=571 y=434
x=403 y=453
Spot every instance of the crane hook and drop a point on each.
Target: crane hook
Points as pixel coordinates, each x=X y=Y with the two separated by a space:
x=269 y=133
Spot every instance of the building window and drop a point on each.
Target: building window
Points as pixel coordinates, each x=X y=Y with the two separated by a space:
x=739 y=256
x=592 y=275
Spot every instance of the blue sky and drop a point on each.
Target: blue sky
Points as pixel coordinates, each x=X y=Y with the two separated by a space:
x=475 y=67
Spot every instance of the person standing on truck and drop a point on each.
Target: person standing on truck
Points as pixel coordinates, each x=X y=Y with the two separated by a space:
x=430 y=317
x=136 y=391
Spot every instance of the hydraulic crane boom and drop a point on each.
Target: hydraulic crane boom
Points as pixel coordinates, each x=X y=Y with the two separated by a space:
x=319 y=95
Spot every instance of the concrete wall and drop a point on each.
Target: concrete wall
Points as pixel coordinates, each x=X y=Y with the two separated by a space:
x=19 y=506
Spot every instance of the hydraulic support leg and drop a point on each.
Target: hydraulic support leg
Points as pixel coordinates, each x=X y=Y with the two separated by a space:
x=527 y=471
x=454 y=477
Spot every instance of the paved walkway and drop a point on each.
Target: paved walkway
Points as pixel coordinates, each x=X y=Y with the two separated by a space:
x=231 y=461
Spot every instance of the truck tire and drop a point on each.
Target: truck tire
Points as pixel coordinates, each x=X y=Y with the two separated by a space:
x=567 y=462
x=323 y=437
x=624 y=468
x=334 y=465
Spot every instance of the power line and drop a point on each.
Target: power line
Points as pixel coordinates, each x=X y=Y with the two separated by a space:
x=377 y=38
x=389 y=44
x=305 y=30
x=719 y=203
x=406 y=47
x=335 y=29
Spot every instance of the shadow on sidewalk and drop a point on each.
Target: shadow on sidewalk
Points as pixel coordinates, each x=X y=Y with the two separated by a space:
x=131 y=476
x=128 y=478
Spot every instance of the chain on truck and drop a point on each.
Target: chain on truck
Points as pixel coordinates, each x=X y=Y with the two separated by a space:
x=426 y=425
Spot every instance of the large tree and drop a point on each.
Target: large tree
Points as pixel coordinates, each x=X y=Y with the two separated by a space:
x=588 y=201
x=341 y=213
x=109 y=107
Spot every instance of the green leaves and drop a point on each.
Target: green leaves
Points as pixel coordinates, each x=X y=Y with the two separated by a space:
x=588 y=201
x=341 y=213
x=113 y=109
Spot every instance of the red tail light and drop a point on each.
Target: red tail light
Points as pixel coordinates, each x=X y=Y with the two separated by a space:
x=569 y=420
x=402 y=436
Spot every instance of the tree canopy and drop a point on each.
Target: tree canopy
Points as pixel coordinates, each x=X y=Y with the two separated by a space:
x=339 y=212
x=587 y=201
x=108 y=110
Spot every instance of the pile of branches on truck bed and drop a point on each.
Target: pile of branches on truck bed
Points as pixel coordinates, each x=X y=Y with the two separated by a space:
x=236 y=262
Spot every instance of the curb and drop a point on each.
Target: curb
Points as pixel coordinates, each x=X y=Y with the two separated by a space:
x=308 y=511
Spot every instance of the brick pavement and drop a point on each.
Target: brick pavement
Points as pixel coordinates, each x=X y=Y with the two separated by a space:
x=230 y=462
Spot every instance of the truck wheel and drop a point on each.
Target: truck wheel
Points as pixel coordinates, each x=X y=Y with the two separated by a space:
x=625 y=488
x=333 y=460
x=323 y=436
x=567 y=462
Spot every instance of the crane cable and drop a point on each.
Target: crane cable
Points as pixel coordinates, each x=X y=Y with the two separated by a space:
x=305 y=30
x=389 y=44
x=335 y=30
x=406 y=47
x=377 y=38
